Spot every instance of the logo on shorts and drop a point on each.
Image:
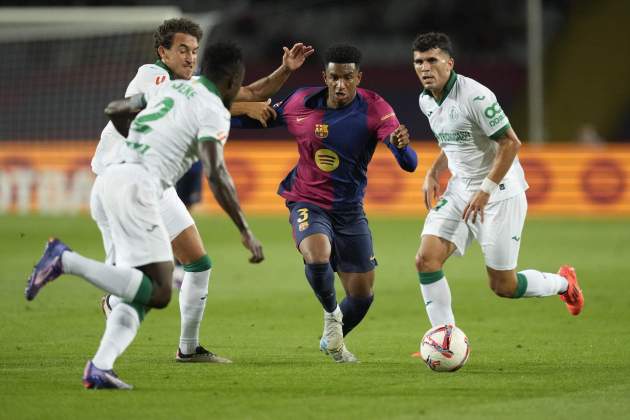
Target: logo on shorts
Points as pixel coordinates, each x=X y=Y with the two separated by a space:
x=440 y=204
x=326 y=160
x=516 y=238
x=152 y=228
x=303 y=226
x=321 y=130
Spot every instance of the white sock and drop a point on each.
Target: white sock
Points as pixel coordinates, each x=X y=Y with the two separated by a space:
x=114 y=300
x=119 y=281
x=543 y=284
x=437 y=302
x=122 y=326
x=192 y=302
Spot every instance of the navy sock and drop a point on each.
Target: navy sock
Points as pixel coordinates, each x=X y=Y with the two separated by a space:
x=322 y=280
x=354 y=310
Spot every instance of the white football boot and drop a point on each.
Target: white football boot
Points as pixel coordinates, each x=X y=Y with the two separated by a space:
x=331 y=342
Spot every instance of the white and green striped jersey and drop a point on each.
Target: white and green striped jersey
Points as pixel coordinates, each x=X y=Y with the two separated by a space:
x=164 y=136
x=467 y=121
x=148 y=77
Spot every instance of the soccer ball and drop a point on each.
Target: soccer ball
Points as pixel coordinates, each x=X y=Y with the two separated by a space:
x=444 y=348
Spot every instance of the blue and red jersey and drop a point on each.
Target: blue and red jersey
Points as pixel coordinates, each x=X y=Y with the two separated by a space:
x=335 y=146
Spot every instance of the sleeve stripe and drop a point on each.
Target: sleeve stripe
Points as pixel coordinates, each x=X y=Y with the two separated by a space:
x=500 y=132
x=208 y=138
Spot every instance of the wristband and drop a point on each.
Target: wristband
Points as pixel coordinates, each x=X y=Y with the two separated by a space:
x=489 y=186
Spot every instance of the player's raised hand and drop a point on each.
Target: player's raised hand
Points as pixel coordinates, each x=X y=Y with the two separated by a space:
x=400 y=137
x=475 y=206
x=255 y=247
x=431 y=189
x=294 y=58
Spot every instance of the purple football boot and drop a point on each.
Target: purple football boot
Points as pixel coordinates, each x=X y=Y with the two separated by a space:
x=47 y=269
x=95 y=378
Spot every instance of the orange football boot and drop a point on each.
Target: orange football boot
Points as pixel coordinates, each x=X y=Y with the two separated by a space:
x=573 y=297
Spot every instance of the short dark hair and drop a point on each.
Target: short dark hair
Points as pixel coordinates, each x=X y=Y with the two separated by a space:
x=221 y=60
x=163 y=36
x=430 y=40
x=342 y=53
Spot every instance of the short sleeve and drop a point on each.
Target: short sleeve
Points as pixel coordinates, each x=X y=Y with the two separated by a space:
x=281 y=109
x=214 y=125
x=148 y=78
x=382 y=119
x=488 y=114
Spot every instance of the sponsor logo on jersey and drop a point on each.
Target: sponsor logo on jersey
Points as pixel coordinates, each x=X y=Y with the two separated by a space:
x=321 y=130
x=455 y=137
x=479 y=98
x=326 y=160
x=494 y=114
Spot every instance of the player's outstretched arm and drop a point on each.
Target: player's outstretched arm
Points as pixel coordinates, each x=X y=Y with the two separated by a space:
x=121 y=112
x=262 y=112
x=264 y=88
x=431 y=186
x=224 y=191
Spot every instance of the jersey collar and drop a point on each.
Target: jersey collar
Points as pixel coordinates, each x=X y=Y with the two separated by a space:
x=209 y=85
x=160 y=63
x=317 y=100
x=447 y=89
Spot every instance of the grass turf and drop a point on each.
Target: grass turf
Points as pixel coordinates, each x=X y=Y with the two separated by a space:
x=529 y=358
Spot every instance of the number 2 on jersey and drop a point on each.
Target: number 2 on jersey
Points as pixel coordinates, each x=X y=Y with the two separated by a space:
x=140 y=124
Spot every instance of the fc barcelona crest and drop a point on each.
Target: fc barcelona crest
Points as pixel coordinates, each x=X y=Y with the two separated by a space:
x=321 y=130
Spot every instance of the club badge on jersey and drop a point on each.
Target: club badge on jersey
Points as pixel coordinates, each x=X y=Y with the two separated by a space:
x=321 y=130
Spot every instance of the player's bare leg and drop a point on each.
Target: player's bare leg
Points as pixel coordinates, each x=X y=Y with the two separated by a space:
x=534 y=283
x=315 y=250
x=189 y=250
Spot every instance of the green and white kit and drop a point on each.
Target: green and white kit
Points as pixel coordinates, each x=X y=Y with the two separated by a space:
x=133 y=199
x=467 y=121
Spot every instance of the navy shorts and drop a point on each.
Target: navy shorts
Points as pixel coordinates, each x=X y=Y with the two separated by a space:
x=189 y=186
x=348 y=232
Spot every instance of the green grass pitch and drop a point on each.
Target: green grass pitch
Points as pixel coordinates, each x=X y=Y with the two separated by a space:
x=530 y=358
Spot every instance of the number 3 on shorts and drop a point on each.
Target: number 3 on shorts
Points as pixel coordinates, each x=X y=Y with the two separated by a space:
x=303 y=215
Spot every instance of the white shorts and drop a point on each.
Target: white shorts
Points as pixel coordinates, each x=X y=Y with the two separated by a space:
x=499 y=235
x=125 y=206
x=174 y=213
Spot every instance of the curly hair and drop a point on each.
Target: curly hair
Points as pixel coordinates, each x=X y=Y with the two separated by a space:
x=342 y=53
x=163 y=36
x=430 y=40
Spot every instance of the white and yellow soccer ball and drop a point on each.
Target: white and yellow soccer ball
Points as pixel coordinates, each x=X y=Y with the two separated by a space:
x=444 y=348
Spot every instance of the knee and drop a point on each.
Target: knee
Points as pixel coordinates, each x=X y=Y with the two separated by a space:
x=315 y=257
x=502 y=289
x=161 y=297
x=425 y=264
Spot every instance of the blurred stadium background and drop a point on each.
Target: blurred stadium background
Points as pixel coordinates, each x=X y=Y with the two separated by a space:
x=562 y=84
